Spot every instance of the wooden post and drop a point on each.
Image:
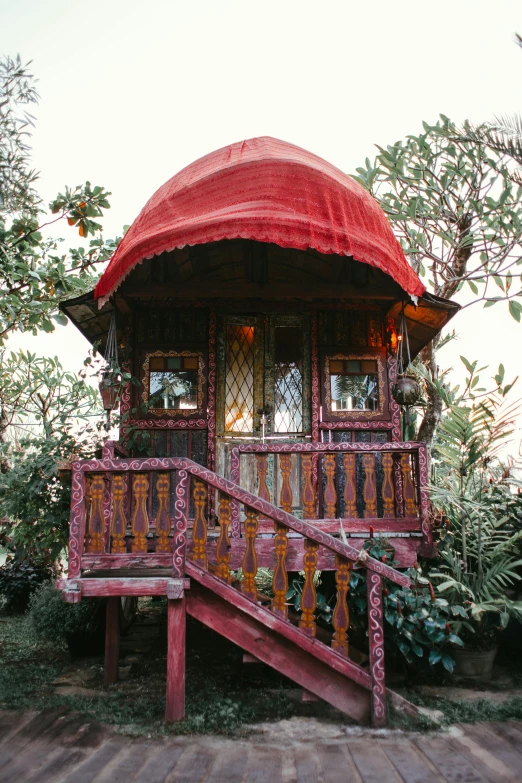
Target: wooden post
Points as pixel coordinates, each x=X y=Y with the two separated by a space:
x=176 y=635
x=112 y=640
x=376 y=639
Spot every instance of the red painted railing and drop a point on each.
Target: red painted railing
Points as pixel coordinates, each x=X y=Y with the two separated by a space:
x=377 y=485
x=112 y=527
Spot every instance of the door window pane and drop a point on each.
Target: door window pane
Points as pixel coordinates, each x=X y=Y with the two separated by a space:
x=239 y=378
x=288 y=379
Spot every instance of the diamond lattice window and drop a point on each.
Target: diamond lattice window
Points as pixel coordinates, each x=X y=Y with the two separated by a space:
x=239 y=379
x=288 y=379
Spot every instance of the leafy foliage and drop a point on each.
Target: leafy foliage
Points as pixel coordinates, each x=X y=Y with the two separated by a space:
x=420 y=627
x=52 y=618
x=35 y=275
x=457 y=210
x=19 y=578
x=480 y=545
x=35 y=499
x=38 y=395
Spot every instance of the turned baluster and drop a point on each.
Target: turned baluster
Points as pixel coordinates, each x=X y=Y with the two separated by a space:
x=388 y=491
x=370 y=489
x=249 y=565
x=223 y=544
x=262 y=471
x=308 y=496
x=399 y=498
x=118 y=518
x=350 y=486
x=86 y=538
x=140 y=517
x=280 y=578
x=95 y=525
x=341 y=614
x=309 y=595
x=163 y=524
x=410 y=507
x=285 y=497
x=199 y=531
x=330 y=494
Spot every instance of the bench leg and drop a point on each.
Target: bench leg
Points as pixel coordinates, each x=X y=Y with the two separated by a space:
x=112 y=640
x=176 y=633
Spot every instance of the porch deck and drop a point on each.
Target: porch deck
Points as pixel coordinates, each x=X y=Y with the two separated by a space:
x=57 y=746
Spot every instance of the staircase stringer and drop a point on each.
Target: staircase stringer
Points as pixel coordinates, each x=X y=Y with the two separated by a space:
x=265 y=641
x=292 y=633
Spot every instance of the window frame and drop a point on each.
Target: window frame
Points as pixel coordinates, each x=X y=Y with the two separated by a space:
x=175 y=413
x=334 y=353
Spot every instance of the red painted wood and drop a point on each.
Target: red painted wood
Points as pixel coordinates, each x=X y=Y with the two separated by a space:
x=109 y=562
x=303 y=527
x=283 y=628
x=113 y=586
x=391 y=526
x=176 y=633
x=406 y=552
x=112 y=640
x=291 y=658
x=376 y=641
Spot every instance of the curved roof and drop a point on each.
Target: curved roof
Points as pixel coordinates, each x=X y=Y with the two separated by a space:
x=266 y=190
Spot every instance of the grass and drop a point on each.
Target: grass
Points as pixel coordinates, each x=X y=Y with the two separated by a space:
x=460 y=711
x=223 y=696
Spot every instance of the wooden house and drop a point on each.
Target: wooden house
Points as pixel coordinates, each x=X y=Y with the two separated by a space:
x=259 y=300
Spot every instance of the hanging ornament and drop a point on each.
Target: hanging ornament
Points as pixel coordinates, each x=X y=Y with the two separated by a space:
x=406 y=390
x=110 y=376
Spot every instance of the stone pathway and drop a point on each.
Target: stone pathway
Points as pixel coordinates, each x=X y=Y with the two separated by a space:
x=58 y=746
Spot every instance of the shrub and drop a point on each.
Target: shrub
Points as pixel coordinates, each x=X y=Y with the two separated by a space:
x=51 y=617
x=19 y=578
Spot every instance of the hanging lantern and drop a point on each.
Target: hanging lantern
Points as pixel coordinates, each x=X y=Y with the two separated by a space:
x=110 y=376
x=406 y=390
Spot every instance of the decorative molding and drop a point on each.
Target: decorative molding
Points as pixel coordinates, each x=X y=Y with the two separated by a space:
x=376 y=640
x=211 y=390
x=170 y=424
x=187 y=413
x=180 y=524
x=346 y=416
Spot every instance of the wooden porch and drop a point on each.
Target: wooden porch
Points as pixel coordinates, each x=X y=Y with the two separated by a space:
x=58 y=746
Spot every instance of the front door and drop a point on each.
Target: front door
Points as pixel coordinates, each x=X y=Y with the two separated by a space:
x=263 y=380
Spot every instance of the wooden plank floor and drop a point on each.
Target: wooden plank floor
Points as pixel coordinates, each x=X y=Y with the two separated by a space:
x=57 y=746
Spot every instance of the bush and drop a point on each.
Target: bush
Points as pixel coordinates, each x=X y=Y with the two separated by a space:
x=81 y=625
x=19 y=578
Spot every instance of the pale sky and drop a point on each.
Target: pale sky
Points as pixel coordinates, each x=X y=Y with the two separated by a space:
x=132 y=91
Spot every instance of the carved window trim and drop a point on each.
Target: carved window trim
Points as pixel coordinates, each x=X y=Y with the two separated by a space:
x=355 y=415
x=183 y=412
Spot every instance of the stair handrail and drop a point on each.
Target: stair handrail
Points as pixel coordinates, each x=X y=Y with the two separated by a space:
x=303 y=527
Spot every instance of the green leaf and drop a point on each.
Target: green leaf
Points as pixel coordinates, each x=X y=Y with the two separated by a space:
x=434 y=657
x=515 y=310
x=448 y=663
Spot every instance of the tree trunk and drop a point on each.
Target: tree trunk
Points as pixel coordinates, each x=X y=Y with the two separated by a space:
x=433 y=413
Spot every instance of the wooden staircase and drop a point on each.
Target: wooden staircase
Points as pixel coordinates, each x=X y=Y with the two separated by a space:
x=119 y=547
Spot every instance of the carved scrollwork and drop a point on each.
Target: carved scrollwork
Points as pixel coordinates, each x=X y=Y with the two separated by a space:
x=376 y=638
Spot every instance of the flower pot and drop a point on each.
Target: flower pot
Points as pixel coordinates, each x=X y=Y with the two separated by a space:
x=474 y=664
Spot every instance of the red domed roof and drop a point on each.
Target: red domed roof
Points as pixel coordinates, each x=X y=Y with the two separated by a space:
x=270 y=191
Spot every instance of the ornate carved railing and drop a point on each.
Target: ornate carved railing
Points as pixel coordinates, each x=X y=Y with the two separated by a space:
x=111 y=528
x=377 y=485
